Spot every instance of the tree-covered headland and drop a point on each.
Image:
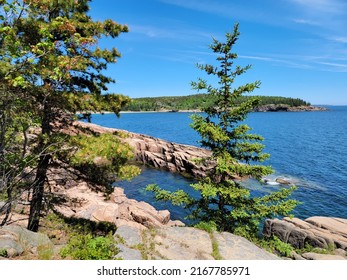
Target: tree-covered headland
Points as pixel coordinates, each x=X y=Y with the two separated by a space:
x=197 y=101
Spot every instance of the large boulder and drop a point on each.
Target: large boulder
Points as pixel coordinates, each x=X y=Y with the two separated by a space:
x=322 y=232
x=81 y=201
x=15 y=240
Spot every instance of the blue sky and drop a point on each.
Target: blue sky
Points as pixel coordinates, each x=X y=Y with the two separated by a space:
x=297 y=48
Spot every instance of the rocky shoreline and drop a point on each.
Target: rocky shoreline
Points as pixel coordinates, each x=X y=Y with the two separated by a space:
x=287 y=108
x=144 y=232
x=156 y=152
x=261 y=108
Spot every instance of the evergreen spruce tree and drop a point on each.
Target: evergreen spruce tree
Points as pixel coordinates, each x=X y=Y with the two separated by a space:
x=49 y=50
x=224 y=202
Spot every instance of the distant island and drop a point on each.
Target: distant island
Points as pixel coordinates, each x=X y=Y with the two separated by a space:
x=197 y=101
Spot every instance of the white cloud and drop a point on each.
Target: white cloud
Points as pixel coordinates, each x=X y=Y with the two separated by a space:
x=325 y=6
x=307 y=21
x=340 y=39
x=335 y=67
x=177 y=33
x=285 y=61
x=310 y=62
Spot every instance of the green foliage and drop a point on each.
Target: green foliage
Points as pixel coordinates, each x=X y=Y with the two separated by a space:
x=311 y=249
x=103 y=158
x=87 y=247
x=277 y=246
x=215 y=248
x=45 y=252
x=199 y=101
x=224 y=201
x=50 y=53
x=3 y=253
x=84 y=239
x=177 y=198
x=78 y=225
x=209 y=227
x=15 y=156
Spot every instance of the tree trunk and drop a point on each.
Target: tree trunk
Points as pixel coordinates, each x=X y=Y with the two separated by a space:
x=41 y=173
x=8 y=206
x=37 y=195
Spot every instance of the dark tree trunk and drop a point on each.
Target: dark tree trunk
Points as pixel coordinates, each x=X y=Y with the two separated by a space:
x=7 y=206
x=37 y=195
x=41 y=173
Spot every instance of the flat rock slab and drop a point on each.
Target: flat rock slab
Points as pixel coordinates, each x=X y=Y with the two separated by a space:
x=187 y=243
x=127 y=253
x=315 y=256
x=183 y=243
x=233 y=247
x=334 y=225
x=130 y=235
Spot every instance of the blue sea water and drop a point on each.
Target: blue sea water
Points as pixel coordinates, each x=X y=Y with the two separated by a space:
x=308 y=148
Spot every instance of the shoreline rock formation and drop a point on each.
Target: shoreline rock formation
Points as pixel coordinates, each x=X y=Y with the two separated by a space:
x=80 y=199
x=148 y=233
x=158 y=153
x=318 y=232
x=287 y=108
x=143 y=232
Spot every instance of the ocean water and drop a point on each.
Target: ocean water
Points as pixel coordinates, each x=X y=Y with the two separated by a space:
x=307 y=148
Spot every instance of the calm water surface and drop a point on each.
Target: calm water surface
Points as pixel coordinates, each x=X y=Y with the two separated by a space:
x=309 y=148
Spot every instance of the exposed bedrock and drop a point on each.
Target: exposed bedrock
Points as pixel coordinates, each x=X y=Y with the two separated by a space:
x=322 y=232
x=159 y=153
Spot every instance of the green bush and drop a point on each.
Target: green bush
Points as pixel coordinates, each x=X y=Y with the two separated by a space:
x=276 y=245
x=3 y=253
x=87 y=247
x=209 y=227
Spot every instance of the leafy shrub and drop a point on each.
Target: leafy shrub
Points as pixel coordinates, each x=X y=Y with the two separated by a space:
x=207 y=226
x=276 y=245
x=3 y=253
x=87 y=247
x=103 y=158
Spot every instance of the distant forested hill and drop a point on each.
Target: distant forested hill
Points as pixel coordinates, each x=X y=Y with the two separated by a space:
x=197 y=101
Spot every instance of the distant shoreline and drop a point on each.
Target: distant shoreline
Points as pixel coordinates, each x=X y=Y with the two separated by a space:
x=263 y=108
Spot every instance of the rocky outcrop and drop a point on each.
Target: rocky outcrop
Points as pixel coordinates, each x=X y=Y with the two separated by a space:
x=79 y=199
x=15 y=240
x=321 y=232
x=287 y=108
x=186 y=243
x=157 y=152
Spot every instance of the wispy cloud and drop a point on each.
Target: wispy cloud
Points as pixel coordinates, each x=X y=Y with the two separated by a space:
x=278 y=61
x=328 y=14
x=325 y=6
x=177 y=33
x=201 y=5
x=322 y=21
x=223 y=8
x=339 y=39
x=335 y=67
x=318 y=63
x=307 y=21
